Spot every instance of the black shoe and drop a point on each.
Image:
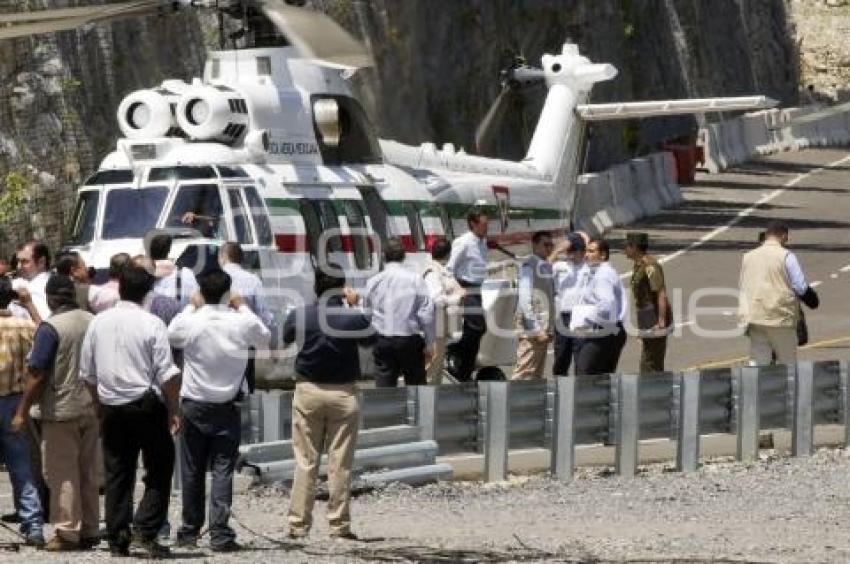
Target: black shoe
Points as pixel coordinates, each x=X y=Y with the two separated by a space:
x=87 y=543
x=347 y=535
x=186 y=541
x=151 y=547
x=11 y=517
x=228 y=546
x=121 y=550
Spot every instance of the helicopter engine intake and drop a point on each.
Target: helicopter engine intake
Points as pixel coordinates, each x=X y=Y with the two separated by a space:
x=145 y=114
x=213 y=113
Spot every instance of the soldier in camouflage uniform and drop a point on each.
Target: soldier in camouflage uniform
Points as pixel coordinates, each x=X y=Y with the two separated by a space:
x=654 y=318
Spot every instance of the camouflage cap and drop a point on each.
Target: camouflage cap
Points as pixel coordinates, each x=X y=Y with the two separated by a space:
x=637 y=237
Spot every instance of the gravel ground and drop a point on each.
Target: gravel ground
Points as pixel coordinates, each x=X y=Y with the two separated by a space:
x=776 y=510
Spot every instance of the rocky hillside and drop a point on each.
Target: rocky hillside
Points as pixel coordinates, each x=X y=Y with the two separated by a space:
x=823 y=40
x=437 y=73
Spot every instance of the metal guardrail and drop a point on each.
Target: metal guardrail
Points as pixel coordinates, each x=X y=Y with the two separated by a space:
x=494 y=417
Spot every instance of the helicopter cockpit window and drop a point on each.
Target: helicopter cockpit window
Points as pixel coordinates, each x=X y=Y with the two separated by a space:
x=85 y=216
x=118 y=176
x=356 y=218
x=232 y=172
x=132 y=212
x=416 y=229
x=198 y=206
x=180 y=173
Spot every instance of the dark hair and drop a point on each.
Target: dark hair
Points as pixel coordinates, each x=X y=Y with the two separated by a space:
x=66 y=261
x=60 y=291
x=603 y=246
x=762 y=236
x=394 y=250
x=39 y=250
x=540 y=235
x=776 y=229
x=474 y=215
x=233 y=252
x=7 y=294
x=159 y=246
x=116 y=263
x=441 y=249
x=326 y=281
x=214 y=284
x=134 y=283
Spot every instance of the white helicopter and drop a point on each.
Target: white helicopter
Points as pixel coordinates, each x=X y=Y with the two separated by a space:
x=270 y=148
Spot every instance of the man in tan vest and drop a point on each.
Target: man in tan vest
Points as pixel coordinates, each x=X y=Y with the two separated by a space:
x=771 y=283
x=69 y=425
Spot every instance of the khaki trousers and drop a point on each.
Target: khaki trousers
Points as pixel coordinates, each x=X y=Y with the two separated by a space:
x=70 y=454
x=766 y=341
x=324 y=417
x=530 y=359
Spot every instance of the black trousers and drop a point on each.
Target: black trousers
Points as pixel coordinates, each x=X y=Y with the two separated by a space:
x=564 y=347
x=210 y=439
x=127 y=430
x=599 y=355
x=464 y=351
x=399 y=356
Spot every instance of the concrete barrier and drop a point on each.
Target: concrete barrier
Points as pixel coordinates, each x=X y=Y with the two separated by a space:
x=644 y=187
x=709 y=138
x=755 y=133
x=625 y=208
x=587 y=204
x=670 y=177
x=663 y=187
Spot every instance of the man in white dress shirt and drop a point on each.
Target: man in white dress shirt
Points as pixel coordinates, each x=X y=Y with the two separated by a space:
x=249 y=287
x=171 y=280
x=468 y=264
x=598 y=350
x=215 y=336
x=535 y=309
x=34 y=271
x=126 y=363
x=570 y=276
x=403 y=317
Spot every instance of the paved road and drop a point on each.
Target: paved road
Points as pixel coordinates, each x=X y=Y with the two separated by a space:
x=702 y=242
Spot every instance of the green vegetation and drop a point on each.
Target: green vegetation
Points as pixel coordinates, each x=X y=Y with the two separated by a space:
x=14 y=195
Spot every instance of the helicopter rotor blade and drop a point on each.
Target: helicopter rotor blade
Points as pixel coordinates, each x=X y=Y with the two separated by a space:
x=316 y=35
x=23 y=24
x=488 y=127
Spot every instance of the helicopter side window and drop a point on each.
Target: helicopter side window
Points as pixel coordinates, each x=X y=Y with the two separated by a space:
x=312 y=224
x=198 y=206
x=417 y=232
x=330 y=222
x=240 y=219
x=260 y=215
x=84 y=218
x=360 y=238
x=132 y=212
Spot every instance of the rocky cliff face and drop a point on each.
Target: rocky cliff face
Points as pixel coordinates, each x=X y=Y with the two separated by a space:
x=822 y=31
x=437 y=73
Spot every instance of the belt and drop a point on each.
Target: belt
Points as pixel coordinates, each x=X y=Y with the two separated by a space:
x=465 y=284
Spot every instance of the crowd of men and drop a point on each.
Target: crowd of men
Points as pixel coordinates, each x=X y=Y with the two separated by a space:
x=93 y=376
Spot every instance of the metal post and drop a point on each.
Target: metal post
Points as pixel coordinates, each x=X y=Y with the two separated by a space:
x=844 y=376
x=496 y=431
x=687 y=446
x=748 y=412
x=426 y=411
x=629 y=425
x=273 y=416
x=801 y=432
x=564 y=432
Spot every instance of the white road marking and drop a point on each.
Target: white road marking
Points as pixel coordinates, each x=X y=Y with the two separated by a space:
x=685 y=323
x=833 y=275
x=845 y=268
x=747 y=212
x=816 y=283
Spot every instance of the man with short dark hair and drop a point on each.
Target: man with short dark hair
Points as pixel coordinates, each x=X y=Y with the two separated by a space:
x=33 y=267
x=106 y=295
x=215 y=332
x=127 y=364
x=652 y=306
x=403 y=316
x=72 y=265
x=570 y=277
x=468 y=264
x=325 y=408
x=171 y=281
x=535 y=308
x=772 y=281
x=69 y=426
x=16 y=338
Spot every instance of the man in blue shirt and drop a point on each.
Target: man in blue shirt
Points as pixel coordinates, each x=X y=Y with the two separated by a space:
x=325 y=409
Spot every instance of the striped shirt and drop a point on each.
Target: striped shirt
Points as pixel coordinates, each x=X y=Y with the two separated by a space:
x=16 y=337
